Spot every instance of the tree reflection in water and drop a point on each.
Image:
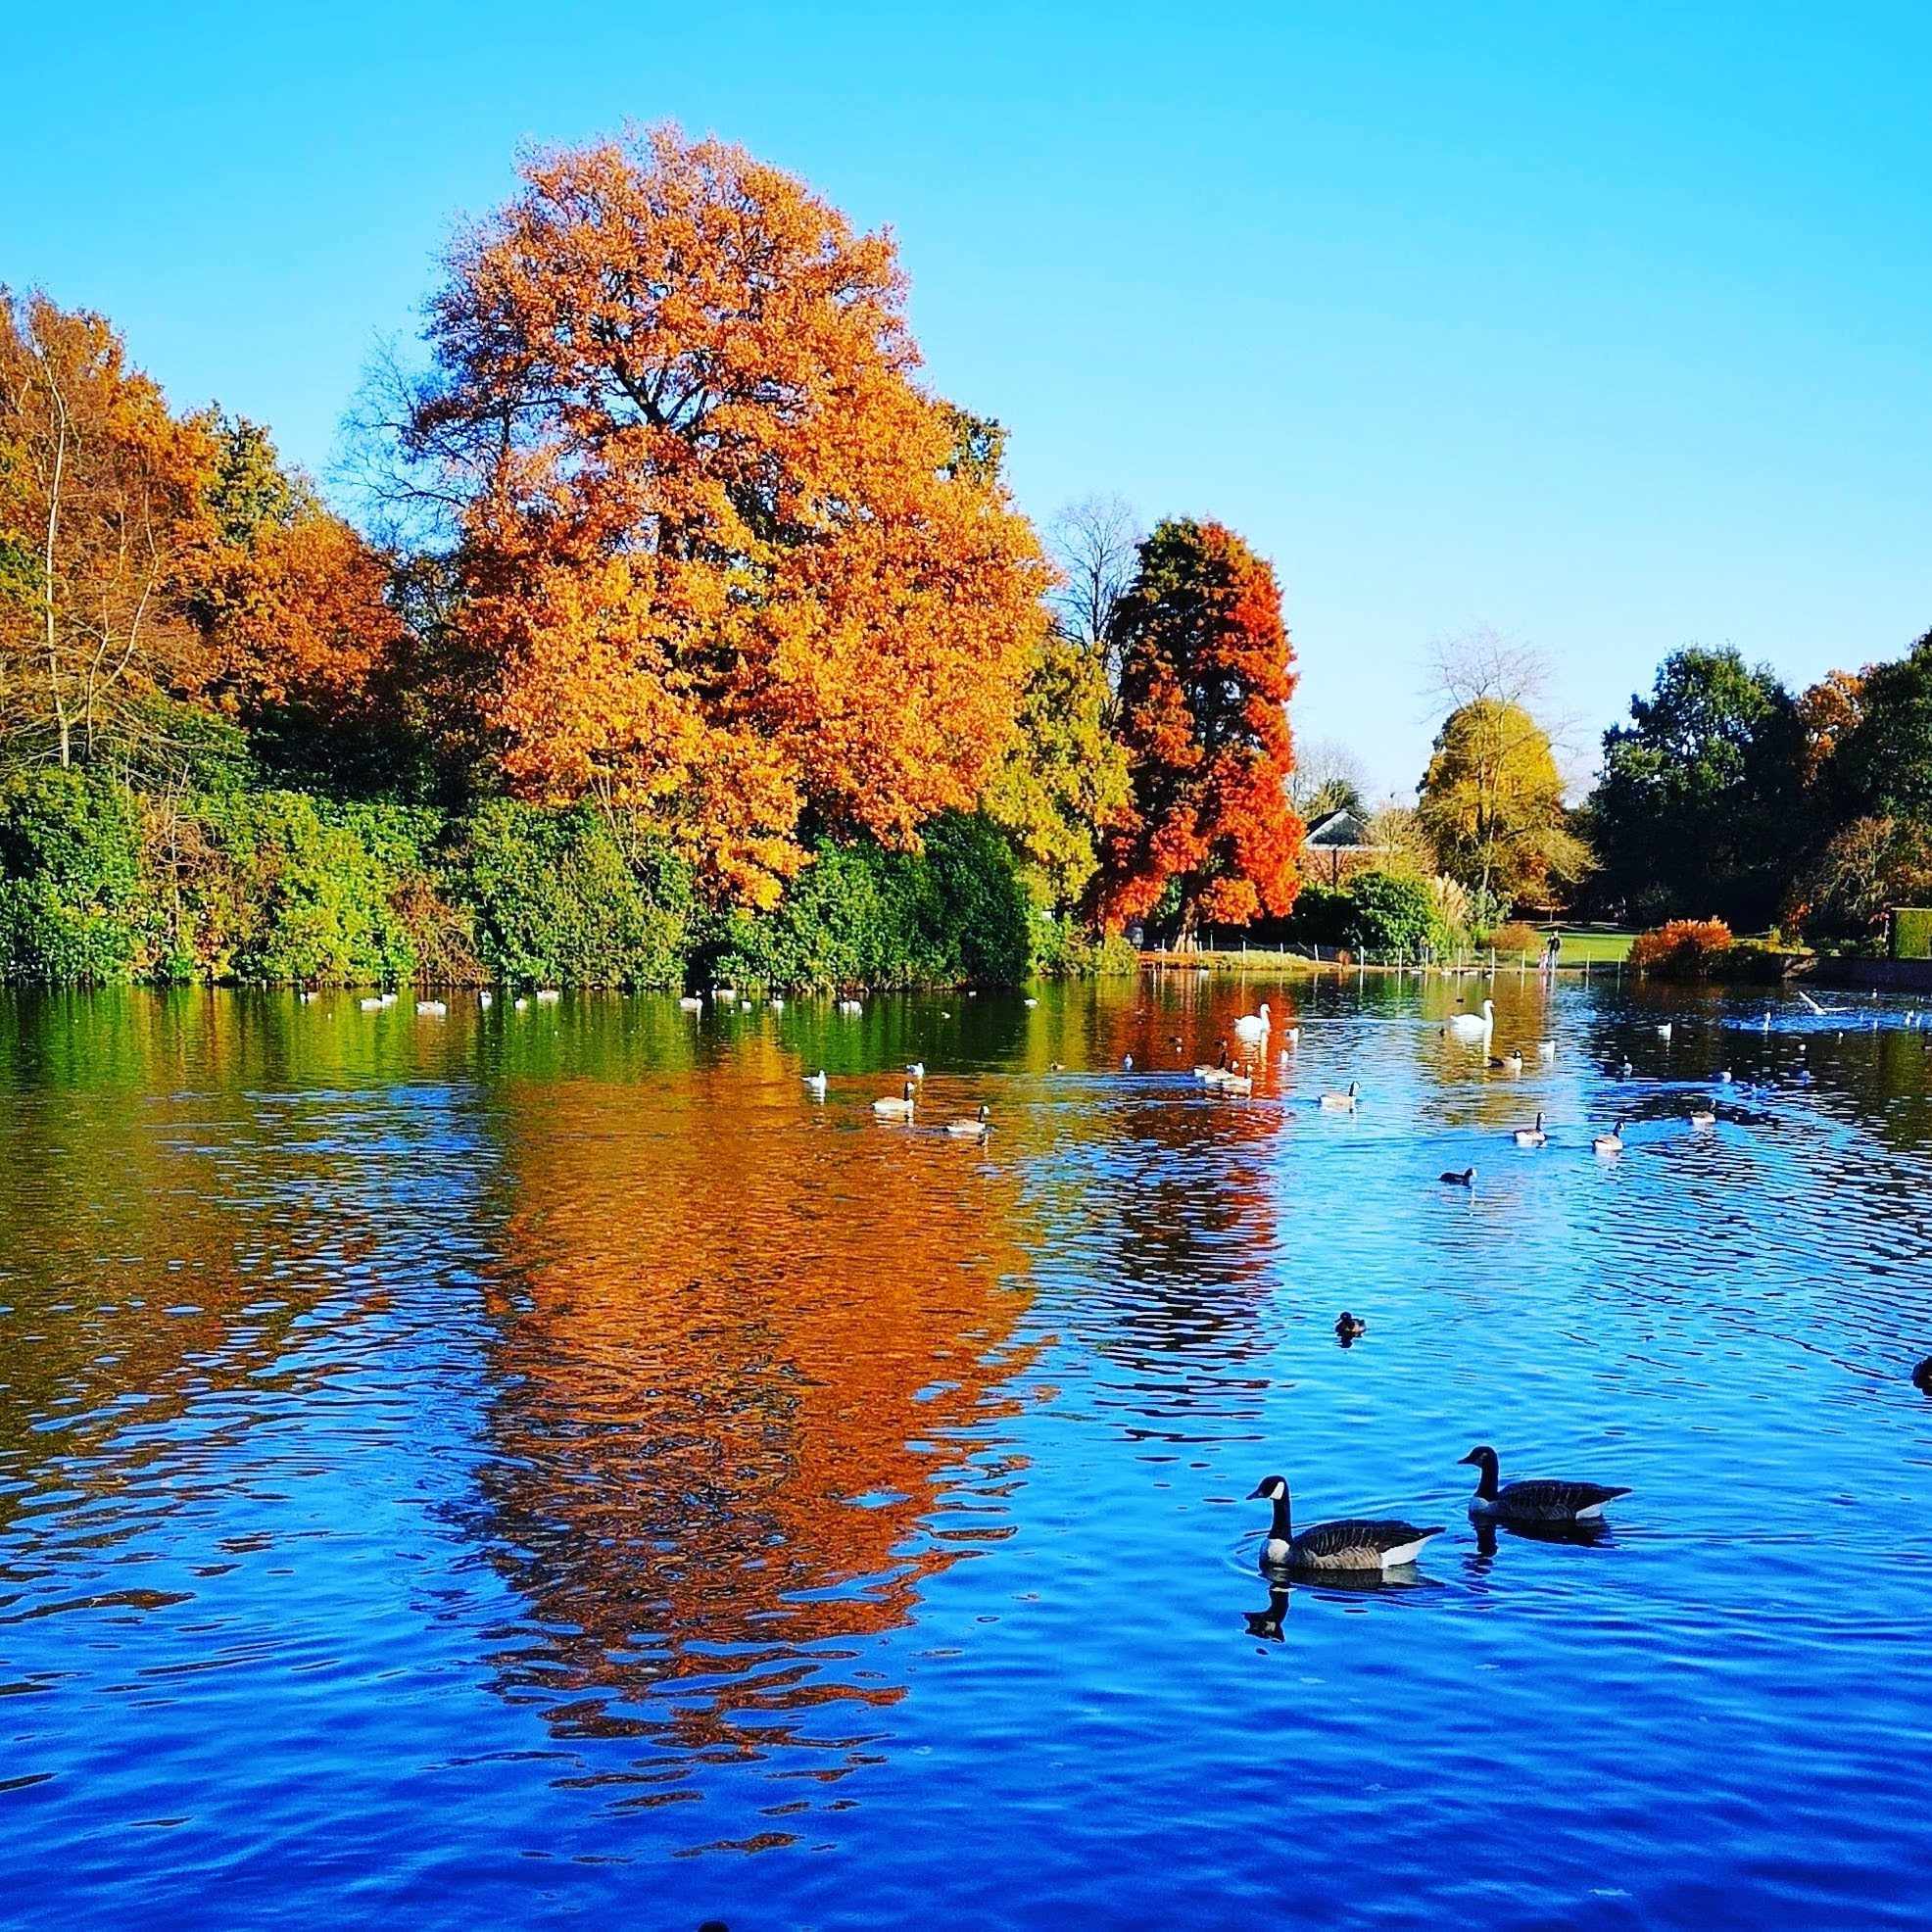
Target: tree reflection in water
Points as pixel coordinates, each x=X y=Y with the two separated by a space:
x=745 y=1352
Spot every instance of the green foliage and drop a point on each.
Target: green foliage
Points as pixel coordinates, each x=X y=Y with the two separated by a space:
x=560 y=900
x=1390 y=913
x=1883 y=767
x=1321 y=915
x=72 y=905
x=1911 y=933
x=859 y=915
x=1698 y=808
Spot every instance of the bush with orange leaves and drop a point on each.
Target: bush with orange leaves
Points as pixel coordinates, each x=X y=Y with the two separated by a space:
x=1682 y=949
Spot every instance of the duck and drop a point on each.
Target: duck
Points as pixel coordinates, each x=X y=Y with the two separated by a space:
x=1467 y=1178
x=1472 y=1026
x=1342 y=1103
x=1253 y=1027
x=816 y=1083
x=916 y=1068
x=1703 y=1117
x=691 y=1003
x=1611 y=1142
x=899 y=1109
x=976 y=1129
x=1350 y=1543
x=1350 y=1328
x=1540 y=1500
x=1531 y=1137
x=1921 y=1376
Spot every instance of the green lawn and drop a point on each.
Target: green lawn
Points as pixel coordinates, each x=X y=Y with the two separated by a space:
x=1598 y=944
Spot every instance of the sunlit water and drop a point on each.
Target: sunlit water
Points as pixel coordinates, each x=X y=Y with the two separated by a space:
x=525 y=1467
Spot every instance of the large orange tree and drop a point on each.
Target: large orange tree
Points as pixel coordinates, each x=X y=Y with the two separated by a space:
x=1206 y=672
x=721 y=559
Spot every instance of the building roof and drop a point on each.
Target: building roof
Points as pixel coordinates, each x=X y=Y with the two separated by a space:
x=1343 y=831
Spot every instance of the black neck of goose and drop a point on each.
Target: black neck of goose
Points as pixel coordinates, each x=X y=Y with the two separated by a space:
x=1284 y=1526
x=1485 y=1485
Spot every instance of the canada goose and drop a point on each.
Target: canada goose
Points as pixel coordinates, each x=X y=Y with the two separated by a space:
x=1472 y=1026
x=1703 y=1117
x=1353 y=1543
x=1509 y=1063
x=1232 y=1083
x=1611 y=1142
x=1253 y=1027
x=916 y=1068
x=1213 y=1076
x=816 y=1082
x=1535 y=1501
x=1531 y=1137
x=899 y=1109
x=1342 y=1103
x=1921 y=1376
x=689 y=1003
x=433 y=1009
x=1350 y=1328
x=1546 y=1050
x=976 y=1129
x=1467 y=1178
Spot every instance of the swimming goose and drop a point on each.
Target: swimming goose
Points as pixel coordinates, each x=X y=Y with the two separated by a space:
x=1531 y=1137
x=1253 y=1027
x=691 y=1003
x=1611 y=1142
x=1921 y=1376
x=976 y=1129
x=1233 y=1082
x=1213 y=1076
x=1353 y=1543
x=1350 y=1328
x=1511 y=1063
x=816 y=1082
x=899 y=1109
x=1537 y=1501
x=1467 y=1178
x=1470 y=1025
x=1703 y=1117
x=1342 y=1103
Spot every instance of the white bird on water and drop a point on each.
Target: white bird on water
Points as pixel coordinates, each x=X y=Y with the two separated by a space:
x=815 y=1083
x=1253 y=1027
x=1476 y=1025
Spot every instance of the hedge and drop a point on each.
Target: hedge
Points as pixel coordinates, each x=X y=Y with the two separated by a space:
x=1911 y=933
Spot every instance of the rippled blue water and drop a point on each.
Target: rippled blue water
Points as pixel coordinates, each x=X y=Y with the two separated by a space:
x=545 y=1466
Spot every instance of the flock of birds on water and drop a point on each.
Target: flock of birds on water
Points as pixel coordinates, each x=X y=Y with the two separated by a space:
x=1348 y=1546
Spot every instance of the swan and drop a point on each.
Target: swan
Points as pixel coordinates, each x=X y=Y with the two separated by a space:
x=432 y=1009
x=1470 y=1025
x=1536 y=1501
x=1292 y=1035
x=899 y=1109
x=1253 y=1027
x=1357 y=1543
x=1816 y=1007
x=816 y=1082
x=1467 y=1178
x=689 y=1003
x=1703 y=1117
x=1126 y=1063
x=1350 y=1328
x=976 y=1129
x=1342 y=1103
x=726 y=993
x=1531 y=1137
x=1611 y=1142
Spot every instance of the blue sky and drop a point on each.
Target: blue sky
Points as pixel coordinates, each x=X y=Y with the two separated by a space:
x=1605 y=326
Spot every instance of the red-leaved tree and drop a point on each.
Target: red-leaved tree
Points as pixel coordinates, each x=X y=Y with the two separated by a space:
x=1205 y=679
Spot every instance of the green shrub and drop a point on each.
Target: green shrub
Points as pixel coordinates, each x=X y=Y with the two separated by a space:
x=558 y=900
x=1911 y=933
x=1391 y=913
x=1321 y=915
x=72 y=909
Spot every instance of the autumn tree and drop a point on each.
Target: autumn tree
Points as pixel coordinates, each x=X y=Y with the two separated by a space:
x=101 y=526
x=720 y=559
x=1205 y=680
x=1063 y=781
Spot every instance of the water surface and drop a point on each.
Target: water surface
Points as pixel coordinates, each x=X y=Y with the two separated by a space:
x=546 y=1467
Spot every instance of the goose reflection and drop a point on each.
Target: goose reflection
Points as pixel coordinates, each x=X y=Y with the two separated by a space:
x=1594 y=1533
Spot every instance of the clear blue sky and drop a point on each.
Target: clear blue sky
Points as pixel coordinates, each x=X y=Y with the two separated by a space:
x=1606 y=325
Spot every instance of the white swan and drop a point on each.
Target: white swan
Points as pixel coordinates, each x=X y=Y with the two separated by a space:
x=688 y=1004
x=1474 y=1026
x=815 y=1083
x=1253 y=1027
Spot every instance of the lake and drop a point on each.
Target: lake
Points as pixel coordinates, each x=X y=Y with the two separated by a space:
x=546 y=1467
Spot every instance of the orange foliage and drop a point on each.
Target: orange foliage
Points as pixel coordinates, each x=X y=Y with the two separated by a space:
x=1684 y=949
x=1205 y=680
x=722 y=558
